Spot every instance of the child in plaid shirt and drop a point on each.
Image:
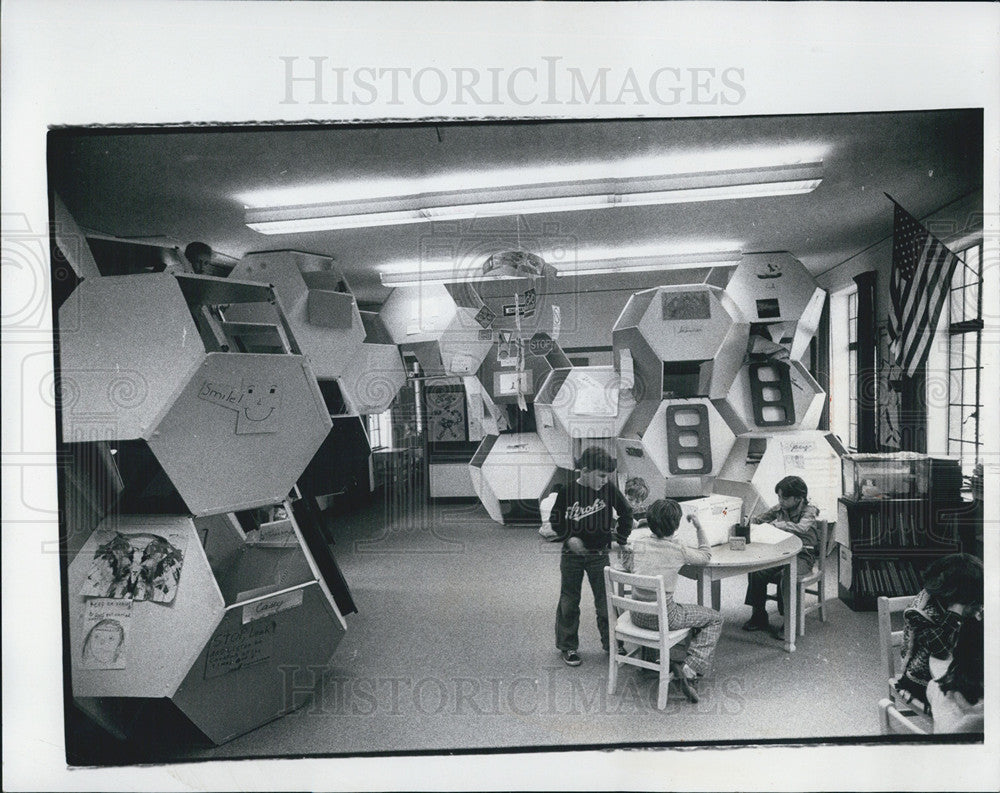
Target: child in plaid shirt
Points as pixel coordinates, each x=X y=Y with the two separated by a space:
x=953 y=591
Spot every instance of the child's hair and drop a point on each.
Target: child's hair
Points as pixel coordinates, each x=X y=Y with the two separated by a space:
x=636 y=490
x=594 y=458
x=956 y=578
x=965 y=673
x=792 y=486
x=663 y=517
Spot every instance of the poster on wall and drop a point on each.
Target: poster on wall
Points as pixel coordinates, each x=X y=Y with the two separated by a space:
x=136 y=566
x=446 y=414
x=106 y=623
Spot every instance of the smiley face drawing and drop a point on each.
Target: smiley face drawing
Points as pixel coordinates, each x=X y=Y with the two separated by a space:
x=259 y=408
x=257 y=404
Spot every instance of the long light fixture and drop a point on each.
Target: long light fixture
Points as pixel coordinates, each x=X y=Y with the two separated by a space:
x=579 y=267
x=524 y=199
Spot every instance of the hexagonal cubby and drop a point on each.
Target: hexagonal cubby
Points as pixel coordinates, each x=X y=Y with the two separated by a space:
x=374 y=379
x=446 y=338
x=759 y=460
x=500 y=377
x=510 y=474
x=776 y=289
x=198 y=615
x=577 y=405
x=316 y=300
x=773 y=395
x=676 y=455
x=684 y=341
x=196 y=425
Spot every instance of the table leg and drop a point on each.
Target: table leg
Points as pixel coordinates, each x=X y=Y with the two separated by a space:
x=717 y=595
x=791 y=601
x=702 y=581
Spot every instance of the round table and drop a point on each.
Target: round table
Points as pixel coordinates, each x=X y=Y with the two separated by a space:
x=755 y=556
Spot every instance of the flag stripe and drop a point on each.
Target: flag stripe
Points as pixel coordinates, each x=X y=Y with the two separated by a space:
x=921 y=275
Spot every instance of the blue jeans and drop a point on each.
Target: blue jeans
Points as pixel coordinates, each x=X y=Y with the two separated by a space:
x=572 y=566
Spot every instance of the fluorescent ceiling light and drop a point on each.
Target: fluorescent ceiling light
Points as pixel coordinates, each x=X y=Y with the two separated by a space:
x=378 y=187
x=650 y=263
x=417 y=275
x=523 y=199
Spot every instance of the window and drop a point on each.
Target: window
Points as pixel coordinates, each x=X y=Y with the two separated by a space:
x=852 y=370
x=844 y=366
x=380 y=430
x=965 y=339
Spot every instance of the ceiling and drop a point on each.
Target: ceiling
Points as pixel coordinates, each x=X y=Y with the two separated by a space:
x=178 y=185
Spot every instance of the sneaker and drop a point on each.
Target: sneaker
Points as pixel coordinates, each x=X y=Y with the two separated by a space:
x=756 y=624
x=571 y=657
x=689 y=685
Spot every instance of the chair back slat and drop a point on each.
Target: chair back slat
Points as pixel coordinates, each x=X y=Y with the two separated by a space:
x=890 y=640
x=619 y=603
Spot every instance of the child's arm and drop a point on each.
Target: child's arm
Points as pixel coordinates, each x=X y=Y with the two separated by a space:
x=624 y=510
x=805 y=527
x=700 y=555
x=767 y=516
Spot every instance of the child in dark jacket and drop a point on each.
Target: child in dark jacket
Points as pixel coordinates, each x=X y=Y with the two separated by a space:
x=588 y=515
x=953 y=591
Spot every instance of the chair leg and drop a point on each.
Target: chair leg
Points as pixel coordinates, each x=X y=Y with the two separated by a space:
x=822 y=599
x=664 y=687
x=613 y=667
x=800 y=612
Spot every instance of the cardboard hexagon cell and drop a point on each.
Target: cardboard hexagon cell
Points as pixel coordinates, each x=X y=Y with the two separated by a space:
x=773 y=395
x=317 y=303
x=131 y=341
x=241 y=431
x=580 y=404
x=446 y=339
x=685 y=341
x=372 y=382
x=759 y=460
x=777 y=289
x=510 y=472
x=678 y=453
x=504 y=381
x=157 y=620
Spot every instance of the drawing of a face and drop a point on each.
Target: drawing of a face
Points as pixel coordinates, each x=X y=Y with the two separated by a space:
x=260 y=401
x=260 y=408
x=104 y=642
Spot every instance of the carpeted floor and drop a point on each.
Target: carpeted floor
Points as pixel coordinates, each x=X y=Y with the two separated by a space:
x=453 y=648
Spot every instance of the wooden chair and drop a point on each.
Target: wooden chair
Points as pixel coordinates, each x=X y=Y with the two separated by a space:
x=894 y=721
x=889 y=640
x=620 y=608
x=814 y=583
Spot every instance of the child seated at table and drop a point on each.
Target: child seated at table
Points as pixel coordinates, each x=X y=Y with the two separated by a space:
x=953 y=592
x=797 y=516
x=956 y=694
x=655 y=552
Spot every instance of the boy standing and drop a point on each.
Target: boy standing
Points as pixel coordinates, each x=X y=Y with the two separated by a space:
x=797 y=516
x=583 y=521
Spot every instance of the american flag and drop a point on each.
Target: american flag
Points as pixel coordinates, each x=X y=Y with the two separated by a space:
x=921 y=276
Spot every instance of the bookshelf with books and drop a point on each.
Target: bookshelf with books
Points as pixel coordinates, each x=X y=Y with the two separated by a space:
x=891 y=542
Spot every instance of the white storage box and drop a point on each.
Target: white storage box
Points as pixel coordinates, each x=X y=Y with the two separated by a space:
x=717 y=515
